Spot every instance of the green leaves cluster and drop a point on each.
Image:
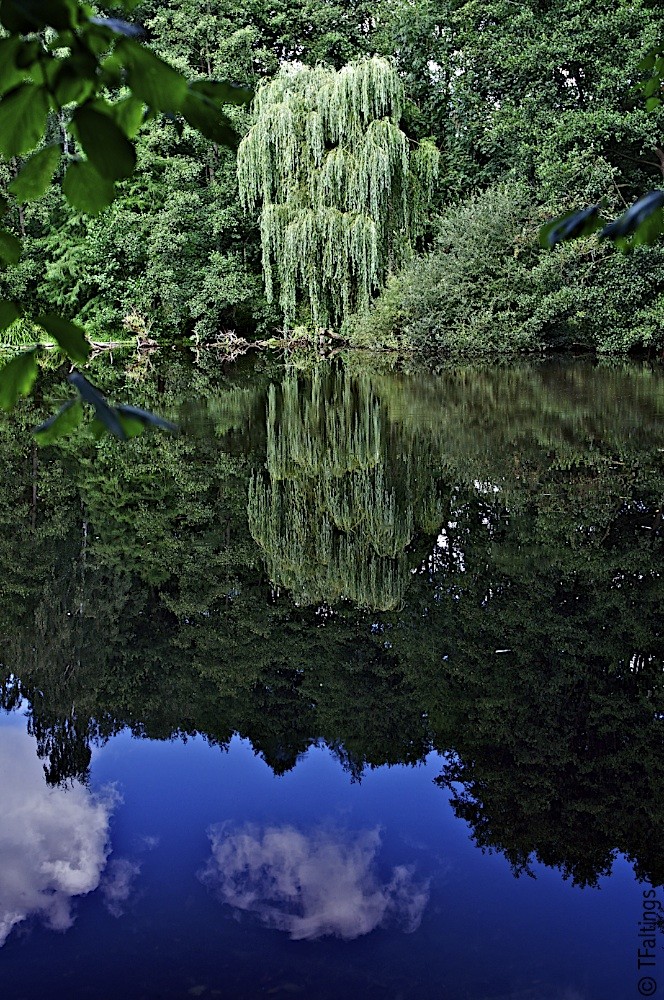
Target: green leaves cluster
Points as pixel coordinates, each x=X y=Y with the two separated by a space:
x=72 y=71
x=643 y=222
x=123 y=422
x=654 y=85
x=75 y=89
x=18 y=376
x=486 y=287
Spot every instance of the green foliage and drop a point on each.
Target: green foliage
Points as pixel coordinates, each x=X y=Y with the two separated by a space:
x=61 y=61
x=96 y=53
x=68 y=336
x=653 y=64
x=10 y=248
x=541 y=92
x=330 y=167
x=470 y=294
x=487 y=288
x=542 y=97
x=62 y=423
x=85 y=190
x=643 y=222
x=17 y=378
x=36 y=174
x=586 y=294
x=173 y=253
x=542 y=485
x=9 y=313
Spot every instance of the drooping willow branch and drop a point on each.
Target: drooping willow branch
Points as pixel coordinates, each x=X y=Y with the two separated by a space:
x=339 y=189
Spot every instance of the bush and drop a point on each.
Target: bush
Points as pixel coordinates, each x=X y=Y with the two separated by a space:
x=470 y=294
x=589 y=294
x=487 y=287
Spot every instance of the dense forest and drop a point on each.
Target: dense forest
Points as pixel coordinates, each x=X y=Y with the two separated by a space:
x=395 y=167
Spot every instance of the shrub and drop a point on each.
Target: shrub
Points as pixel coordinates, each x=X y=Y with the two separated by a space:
x=470 y=293
x=487 y=287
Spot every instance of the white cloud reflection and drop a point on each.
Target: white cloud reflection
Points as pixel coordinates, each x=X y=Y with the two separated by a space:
x=118 y=883
x=54 y=842
x=312 y=885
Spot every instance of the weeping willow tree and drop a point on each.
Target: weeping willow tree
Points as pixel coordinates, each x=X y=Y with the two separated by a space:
x=341 y=192
x=320 y=557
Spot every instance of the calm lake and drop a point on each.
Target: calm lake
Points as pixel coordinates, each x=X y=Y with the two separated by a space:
x=353 y=688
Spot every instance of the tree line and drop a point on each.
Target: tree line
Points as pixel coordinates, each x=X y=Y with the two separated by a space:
x=533 y=111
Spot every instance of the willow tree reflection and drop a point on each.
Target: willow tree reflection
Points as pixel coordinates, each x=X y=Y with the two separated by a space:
x=335 y=509
x=515 y=510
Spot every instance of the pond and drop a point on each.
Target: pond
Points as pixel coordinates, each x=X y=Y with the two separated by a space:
x=352 y=688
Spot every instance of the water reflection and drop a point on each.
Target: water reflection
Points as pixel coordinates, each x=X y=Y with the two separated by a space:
x=312 y=884
x=119 y=884
x=54 y=842
x=331 y=520
x=382 y=563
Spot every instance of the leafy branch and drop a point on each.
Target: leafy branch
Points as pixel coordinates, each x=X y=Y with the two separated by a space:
x=95 y=74
x=643 y=222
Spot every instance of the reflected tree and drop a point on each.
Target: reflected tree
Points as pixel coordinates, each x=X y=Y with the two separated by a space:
x=526 y=645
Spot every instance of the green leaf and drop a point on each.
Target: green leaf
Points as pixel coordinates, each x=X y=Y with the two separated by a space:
x=74 y=78
x=151 y=79
x=643 y=222
x=570 y=226
x=104 y=412
x=85 y=190
x=653 y=103
x=25 y=16
x=61 y=423
x=104 y=143
x=17 y=378
x=11 y=73
x=647 y=64
x=9 y=313
x=209 y=120
x=97 y=38
x=35 y=175
x=28 y=54
x=222 y=92
x=10 y=248
x=128 y=113
x=147 y=418
x=112 y=71
x=130 y=425
x=23 y=114
x=69 y=336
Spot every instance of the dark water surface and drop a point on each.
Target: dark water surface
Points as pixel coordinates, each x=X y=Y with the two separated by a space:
x=352 y=689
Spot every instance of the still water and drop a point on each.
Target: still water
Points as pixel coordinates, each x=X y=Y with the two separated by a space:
x=351 y=689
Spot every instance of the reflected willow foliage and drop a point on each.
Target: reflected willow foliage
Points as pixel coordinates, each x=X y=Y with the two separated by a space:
x=331 y=513
x=387 y=563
